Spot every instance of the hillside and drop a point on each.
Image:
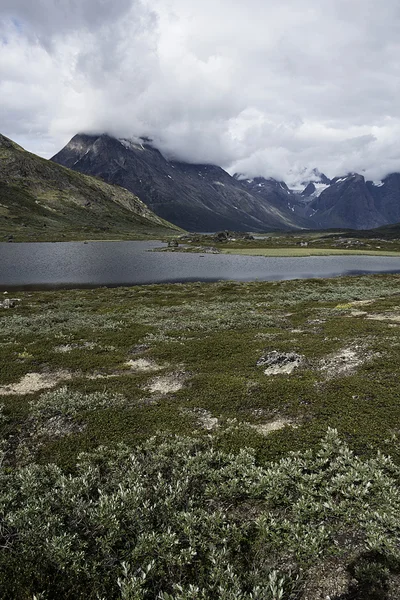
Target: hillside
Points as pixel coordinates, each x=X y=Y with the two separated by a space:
x=40 y=200
x=195 y=197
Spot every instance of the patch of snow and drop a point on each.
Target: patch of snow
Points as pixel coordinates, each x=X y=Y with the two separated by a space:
x=319 y=188
x=131 y=144
x=378 y=183
x=219 y=183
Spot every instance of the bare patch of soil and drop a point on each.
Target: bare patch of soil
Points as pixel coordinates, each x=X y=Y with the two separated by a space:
x=142 y=365
x=358 y=313
x=344 y=362
x=34 y=382
x=267 y=428
x=330 y=580
x=394 y=317
x=167 y=384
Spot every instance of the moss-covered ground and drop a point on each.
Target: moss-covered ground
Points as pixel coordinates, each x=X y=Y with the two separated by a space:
x=182 y=358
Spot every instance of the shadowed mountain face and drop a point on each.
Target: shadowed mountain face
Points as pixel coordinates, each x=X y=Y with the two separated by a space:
x=42 y=200
x=207 y=198
x=354 y=203
x=195 y=197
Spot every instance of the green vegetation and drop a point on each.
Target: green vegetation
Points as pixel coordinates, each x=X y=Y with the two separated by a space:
x=178 y=520
x=306 y=252
x=379 y=242
x=42 y=201
x=215 y=505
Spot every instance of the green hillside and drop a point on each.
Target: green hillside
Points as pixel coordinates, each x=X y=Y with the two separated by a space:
x=43 y=201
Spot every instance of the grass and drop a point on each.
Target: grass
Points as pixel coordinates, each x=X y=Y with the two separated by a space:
x=205 y=499
x=208 y=339
x=306 y=252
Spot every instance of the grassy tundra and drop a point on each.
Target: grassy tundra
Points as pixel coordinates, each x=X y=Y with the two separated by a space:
x=199 y=394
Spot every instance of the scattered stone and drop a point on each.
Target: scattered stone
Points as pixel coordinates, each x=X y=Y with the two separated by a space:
x=279 y=363
x=173 y=244
x=34 y=382
x=9 y=302
x=225 y=236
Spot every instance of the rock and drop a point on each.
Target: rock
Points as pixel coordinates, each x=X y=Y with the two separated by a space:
x=8 y=303
x=221 y=236
x=173 y=244
x=278 y=363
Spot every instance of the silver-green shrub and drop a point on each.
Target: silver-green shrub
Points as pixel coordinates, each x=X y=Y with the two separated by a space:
x=177 y=519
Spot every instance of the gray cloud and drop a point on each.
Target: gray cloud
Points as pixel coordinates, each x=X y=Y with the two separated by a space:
x=266 y=87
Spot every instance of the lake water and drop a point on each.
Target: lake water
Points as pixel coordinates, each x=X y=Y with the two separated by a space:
x=93 y=264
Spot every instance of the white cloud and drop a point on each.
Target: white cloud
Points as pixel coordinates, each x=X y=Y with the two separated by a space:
x=266 y=87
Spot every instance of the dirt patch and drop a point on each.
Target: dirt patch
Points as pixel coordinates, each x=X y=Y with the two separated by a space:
x=167 y=384
x=280 y=363
x=394 y=317
x=363 y=302
x=267 y=428
x=142 y=365
x=329 y=580
x=344 y=362
x=358 y=313
x=34 y=382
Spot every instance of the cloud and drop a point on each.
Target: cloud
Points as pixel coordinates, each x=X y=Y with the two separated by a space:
x=266 y=87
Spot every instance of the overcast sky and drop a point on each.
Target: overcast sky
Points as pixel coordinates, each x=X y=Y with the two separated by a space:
x=261 y=87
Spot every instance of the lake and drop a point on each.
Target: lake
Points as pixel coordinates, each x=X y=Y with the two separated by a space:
x=93 y=264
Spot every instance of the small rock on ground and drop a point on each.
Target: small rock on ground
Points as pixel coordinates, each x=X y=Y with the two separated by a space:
x=278 y=363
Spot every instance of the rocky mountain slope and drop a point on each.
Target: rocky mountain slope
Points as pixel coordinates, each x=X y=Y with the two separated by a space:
x=355 y=203
x=42 y=200
x=195 y=197
x=207 y=198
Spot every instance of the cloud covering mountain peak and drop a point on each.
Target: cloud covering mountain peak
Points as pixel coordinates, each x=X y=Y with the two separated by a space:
x=260 y=88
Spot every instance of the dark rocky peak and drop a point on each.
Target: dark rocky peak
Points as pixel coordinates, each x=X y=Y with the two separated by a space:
x=350 y=178
x=309 y=190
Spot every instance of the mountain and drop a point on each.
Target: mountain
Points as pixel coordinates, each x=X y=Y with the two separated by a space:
x=207 y=198
x=195 y=197
x=352 y=202
x=42 y=200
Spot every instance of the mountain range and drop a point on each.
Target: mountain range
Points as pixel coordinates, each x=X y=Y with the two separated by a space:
x=42 y=200
x=206 y=198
